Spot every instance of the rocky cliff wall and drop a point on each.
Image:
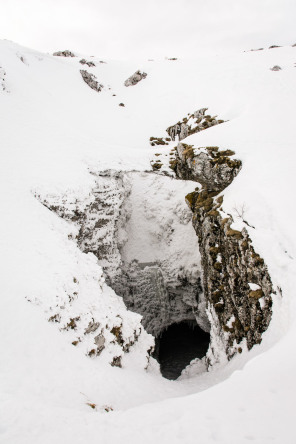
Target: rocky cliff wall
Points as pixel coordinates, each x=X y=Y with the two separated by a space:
x=236 y=282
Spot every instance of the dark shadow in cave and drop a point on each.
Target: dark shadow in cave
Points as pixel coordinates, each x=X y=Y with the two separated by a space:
x=178 y=345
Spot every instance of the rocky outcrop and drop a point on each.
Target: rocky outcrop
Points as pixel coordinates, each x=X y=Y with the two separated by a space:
x=91 y=80
x=65 y=53
x=192 y=124
x=212 y=168
x=236 y=282
x=180 y=130
x=135 y=78
x=88 y=63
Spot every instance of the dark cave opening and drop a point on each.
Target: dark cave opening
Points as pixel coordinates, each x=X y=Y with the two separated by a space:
x=178 y=345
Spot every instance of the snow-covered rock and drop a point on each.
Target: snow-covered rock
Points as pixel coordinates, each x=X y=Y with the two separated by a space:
x=91 y=80
x=135 y=78
x=65 y=53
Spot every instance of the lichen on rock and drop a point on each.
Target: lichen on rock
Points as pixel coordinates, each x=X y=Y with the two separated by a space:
x=229 y=261
x=212 y=168
x=192 y=124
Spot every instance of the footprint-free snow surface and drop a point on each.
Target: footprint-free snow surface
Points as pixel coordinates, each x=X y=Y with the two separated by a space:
x=63 y=330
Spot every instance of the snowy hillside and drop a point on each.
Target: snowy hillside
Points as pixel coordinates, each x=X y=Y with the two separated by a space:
x=94 y=223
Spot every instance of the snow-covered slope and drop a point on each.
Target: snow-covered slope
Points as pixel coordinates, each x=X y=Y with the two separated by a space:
x=54 y=131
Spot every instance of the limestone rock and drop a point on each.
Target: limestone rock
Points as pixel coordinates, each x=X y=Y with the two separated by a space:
x=91 y=80
x=200 y=113
x=179 y=129
x=65 y=53
x=231 y=267
x=275 y=68
x=92 y=326
x=210 y=167
x=99 y=340
x=135 y=78
x=192 y=124
x=88 y=63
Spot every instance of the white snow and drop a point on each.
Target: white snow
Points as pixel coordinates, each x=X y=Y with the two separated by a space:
x=253 y=286
x=53 y=129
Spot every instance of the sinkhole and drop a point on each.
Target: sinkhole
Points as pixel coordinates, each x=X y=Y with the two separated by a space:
x=140 y=229
x=178 y=345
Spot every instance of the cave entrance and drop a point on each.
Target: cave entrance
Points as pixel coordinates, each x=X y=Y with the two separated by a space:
x=178 y=345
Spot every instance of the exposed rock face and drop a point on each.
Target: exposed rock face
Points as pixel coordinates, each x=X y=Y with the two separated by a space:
x=88 y=63
x=91 y=80
x=236 y=282
x=179 y=129
x=210 y=167
x=135 y=78
x=231 y=271
x=65 y=53
x=275 y=68
x=99 y=218
x=200 y=113
x=192 y=124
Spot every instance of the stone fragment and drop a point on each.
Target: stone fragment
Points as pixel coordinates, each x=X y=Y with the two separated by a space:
x=92 y=326
x=100 y=343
